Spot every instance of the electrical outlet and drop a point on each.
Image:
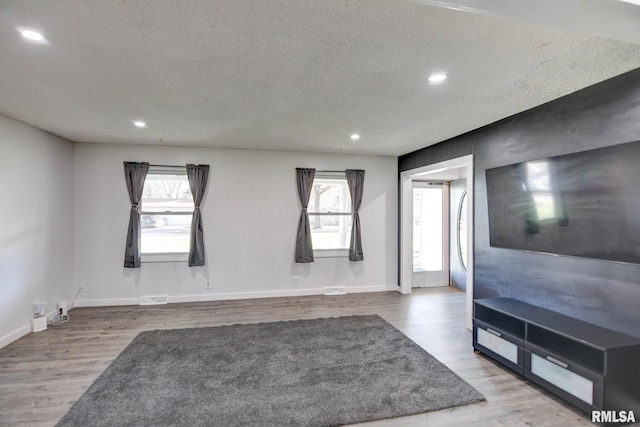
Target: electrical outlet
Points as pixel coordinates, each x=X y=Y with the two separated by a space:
x=208 y=285
x=296 y=280
x=62 y=308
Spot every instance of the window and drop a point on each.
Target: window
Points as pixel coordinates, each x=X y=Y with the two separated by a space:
x=330 y=215
x=166 y=212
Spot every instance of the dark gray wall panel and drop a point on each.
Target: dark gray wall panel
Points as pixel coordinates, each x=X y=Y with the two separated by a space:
x=602 y=292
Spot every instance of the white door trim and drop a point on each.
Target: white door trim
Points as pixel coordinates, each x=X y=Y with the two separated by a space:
x=434 y=171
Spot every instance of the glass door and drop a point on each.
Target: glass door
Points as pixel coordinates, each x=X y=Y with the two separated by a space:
x=430 y=234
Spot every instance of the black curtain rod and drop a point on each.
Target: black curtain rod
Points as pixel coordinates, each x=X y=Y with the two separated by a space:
x=331 y=171
x=167 y=166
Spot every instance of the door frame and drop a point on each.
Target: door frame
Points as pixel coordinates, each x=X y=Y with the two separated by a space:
x=434 y=171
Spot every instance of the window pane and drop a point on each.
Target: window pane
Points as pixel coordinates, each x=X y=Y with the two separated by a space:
x=164 y=192
x=330 y=195
x=165 y=233
x=427 y=229
x=330 y=231
x=167 y=207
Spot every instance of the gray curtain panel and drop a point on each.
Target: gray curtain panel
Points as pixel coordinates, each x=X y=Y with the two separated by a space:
x=355 y=179
x=304 y=246
x=134 y=175
x=197 y=175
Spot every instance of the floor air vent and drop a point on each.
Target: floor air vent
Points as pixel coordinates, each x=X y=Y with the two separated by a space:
x=154 y=299
x=335 y=290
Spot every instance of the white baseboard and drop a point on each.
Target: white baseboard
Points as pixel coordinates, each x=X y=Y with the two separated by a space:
x=18 y=333
x=379 y=288
x=232 y=296
x=245 y=295
x=107 y=302
x=274 y=294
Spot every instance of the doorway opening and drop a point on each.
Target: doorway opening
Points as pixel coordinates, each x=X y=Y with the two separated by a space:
x=459 y=170
x=430 y=234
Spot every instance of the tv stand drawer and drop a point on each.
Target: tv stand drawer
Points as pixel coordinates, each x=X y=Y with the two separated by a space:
x=500 y=345
x=492 y=340
x=555 y=372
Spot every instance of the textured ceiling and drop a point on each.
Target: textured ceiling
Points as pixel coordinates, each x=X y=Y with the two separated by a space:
x=285 y=74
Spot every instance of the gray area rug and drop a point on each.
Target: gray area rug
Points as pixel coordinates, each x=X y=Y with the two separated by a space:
x=321 y=372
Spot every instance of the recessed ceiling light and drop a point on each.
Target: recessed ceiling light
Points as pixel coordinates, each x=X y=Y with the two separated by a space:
x=140 y=124
x=32 y=35
x=436 y=78
x=355 y=136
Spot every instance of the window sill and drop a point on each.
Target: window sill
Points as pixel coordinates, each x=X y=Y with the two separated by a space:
x=178 y=257
x=331 y=253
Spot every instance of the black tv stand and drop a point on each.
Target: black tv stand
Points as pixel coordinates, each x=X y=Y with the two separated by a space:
x=593 y=368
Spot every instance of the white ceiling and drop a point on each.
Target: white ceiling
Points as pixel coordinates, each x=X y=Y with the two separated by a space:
x=300 y=74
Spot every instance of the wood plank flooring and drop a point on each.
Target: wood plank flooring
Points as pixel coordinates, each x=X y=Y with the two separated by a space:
x=44 y=373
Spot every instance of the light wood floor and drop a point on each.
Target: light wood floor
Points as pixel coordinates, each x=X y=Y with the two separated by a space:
x=44 y=373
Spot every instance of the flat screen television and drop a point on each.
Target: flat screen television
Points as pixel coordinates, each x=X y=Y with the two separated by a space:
x=584 y=204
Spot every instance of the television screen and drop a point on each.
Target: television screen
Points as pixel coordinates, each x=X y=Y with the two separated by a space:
x=585 y=204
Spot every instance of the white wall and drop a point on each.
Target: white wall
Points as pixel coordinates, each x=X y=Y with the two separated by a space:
x=250 y=215
x=36 y=242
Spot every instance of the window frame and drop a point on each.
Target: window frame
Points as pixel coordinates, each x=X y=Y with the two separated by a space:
x=164 y=256
x=331 y=252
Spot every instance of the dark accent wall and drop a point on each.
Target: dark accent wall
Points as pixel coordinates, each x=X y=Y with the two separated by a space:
x=601 y=292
